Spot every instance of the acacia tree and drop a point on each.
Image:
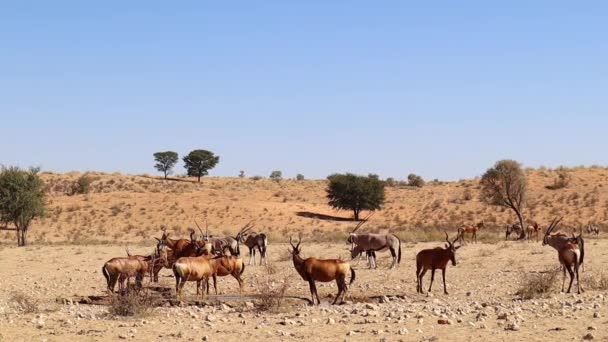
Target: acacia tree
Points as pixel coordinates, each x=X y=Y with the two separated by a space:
x=352 y=192
x=21 y=199
x=505 y=185
x=165 y=161
x=199 y=162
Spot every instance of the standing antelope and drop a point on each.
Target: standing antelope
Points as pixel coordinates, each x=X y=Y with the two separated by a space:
x=226 y=244
x=436 y=258
x=533 y=230
x=570 y=252
x=371 y=243
x=227 y=265
x=323 y=270
x=254 y=240
x=122 y=268
x=472 y=229
x=513 y=229
x=593 y=229
x=197 y=269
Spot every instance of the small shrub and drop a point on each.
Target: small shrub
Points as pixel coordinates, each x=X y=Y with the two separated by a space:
x=467 y=195
x=535 y=285
x=256 y=178
x=390 y=181
x=241 y=174
x=82 y=185
x=272 y=294
x=415 y=180
x=24 y=303
x=130 y=303
x=563 y=179
x=276 y=175
x=299 y=177
x=596 y=282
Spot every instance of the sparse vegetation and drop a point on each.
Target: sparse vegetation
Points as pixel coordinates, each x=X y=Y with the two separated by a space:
x=130 y=303
x=299 y=177
x=506 y=185
x=24 y=303
x=272 y=293
x=199 y=162
x=415 y=180
x=276 y=175
x=22 y=199
x=562 y=180
x=356 y=193
x=537 y=284
x=82 y=185
x=165 y=161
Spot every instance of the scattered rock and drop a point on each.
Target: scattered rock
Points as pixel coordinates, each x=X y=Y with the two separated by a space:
x=330 y=321
x=444 y=321
x=512 y=327
x=588 y=337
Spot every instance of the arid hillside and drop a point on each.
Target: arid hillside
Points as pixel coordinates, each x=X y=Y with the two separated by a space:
x=133 y=208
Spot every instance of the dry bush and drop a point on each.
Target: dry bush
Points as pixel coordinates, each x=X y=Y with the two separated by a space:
x=467 y=195
x=538 y=284
x=130 y=303
x=563 y=179
x=24 y=303
x=595 y=281
x=272 y=293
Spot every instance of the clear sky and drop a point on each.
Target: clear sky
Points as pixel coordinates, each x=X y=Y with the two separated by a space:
x=438 y=88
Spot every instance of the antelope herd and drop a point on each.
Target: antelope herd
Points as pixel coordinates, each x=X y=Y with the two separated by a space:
x=199 y=260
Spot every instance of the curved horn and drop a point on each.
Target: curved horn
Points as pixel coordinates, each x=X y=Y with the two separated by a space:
x=127 y=250
x=291 y=243
x=363 y=221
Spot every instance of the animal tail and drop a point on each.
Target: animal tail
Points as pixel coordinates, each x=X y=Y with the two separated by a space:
x=242 y=268
x=265 y=245
x=399 y=255
x=352 y=275
x=581 y=245
x=105 y=273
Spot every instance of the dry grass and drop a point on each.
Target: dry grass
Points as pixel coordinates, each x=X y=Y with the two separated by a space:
x=24 y=303
x=272 y=293
x=595 y=281
x=130 y=303
x=537 y=284
x=132 y=208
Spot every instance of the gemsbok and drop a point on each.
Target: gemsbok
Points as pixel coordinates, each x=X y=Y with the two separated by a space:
x=227 y=245
x=255 y=240
x=471 y=229
x=436 y=258
x=323 y=270
x=570 y=252
x=593 y=229
x=371 y=243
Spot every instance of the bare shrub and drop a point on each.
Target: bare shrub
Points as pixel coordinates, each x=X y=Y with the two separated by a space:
x=24 y=303
x=596 y=281
x=562 y=180
x=535 y=285
x=82 y=185
x=467 y=195
x=130 y=303
x=272 y=293
x=415 y=180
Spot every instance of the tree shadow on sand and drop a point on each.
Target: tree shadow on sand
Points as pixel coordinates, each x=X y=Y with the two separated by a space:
x=324 y=217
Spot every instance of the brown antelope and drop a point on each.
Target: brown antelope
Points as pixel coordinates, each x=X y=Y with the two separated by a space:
x=323 y=270
x=227 y=265
x=570 y=252
x=436 y=258
x=593 y=229
x=197 y=269
x=122 y=268
x=533 y=230
x=472 y=229
x=180 y=247
x=513 y=229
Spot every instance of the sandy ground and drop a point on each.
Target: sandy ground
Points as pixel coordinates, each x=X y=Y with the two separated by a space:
x=482 y=304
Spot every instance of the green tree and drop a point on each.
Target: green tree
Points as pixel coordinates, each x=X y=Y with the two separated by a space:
x=353 y=192
x=199 y=162
x=165 y=161
x=22 y=199
x=300 y=177
x=505 y=185
x=276 y=175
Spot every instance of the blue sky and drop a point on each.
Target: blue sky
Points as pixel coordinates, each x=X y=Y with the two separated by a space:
x=442 y=89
